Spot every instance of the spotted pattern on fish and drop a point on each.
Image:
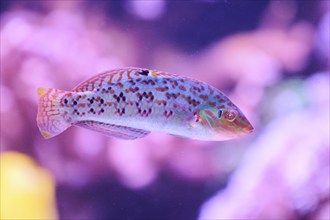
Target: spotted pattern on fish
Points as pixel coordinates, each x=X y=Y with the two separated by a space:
x=145 y=100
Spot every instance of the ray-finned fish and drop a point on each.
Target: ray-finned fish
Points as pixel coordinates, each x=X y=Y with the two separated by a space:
x=129 y=103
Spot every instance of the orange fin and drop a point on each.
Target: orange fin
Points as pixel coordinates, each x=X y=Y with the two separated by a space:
x=49 y=119
x=112 y=130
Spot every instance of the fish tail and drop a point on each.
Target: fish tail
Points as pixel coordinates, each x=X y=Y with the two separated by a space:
x=50 y=120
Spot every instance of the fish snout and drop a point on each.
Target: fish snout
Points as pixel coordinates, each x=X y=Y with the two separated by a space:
x=245 y=126
x=248 y=129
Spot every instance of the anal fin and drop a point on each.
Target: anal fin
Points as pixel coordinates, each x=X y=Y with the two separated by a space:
x=112 y=130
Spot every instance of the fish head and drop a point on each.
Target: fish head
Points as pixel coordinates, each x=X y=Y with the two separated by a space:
x=225 y=123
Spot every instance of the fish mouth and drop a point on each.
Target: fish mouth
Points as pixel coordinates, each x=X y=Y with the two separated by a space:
x=244 y=125
x=229 y=132
x=248 y=129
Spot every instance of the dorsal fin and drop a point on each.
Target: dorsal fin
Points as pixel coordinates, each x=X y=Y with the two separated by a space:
x=109 y=77
x=112 y=130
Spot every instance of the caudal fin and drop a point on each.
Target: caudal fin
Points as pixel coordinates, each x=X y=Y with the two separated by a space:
x=50 y=119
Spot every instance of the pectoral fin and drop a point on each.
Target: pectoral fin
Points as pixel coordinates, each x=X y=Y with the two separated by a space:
x=112 y=130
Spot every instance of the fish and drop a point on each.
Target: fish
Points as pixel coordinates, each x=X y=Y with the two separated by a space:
x=129 y=103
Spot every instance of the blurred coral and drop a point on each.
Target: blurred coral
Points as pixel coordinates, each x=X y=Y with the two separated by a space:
x=26 y=190
x=286 y=172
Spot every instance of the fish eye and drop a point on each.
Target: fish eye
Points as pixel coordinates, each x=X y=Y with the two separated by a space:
x=220 y=113
x=230 y=115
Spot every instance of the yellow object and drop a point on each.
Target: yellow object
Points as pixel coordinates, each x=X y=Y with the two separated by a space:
x=26 y=190
x=41 y=91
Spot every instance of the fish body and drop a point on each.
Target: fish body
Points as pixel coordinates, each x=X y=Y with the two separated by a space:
x=129 y=103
